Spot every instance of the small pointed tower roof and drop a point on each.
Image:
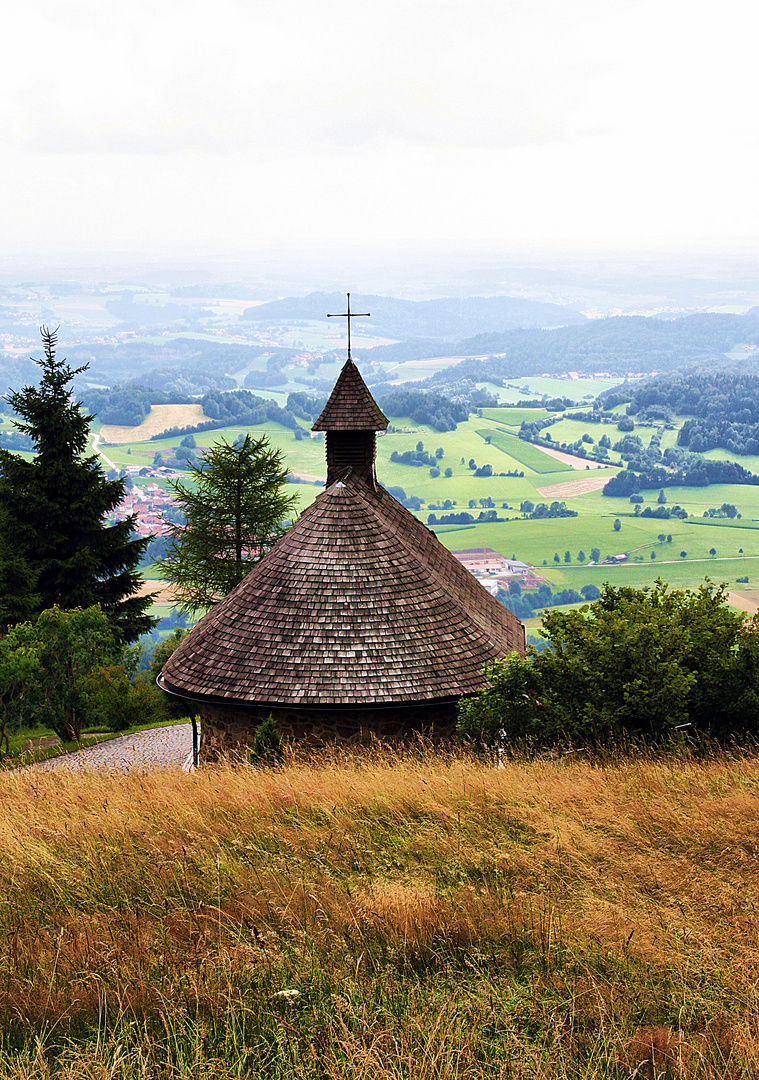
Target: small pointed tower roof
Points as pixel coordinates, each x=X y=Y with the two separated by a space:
x=351 y=407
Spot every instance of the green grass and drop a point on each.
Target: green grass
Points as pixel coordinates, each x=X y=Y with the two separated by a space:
x=515 y=417
x=524 y=452
x=725 y=523
x=576 y=389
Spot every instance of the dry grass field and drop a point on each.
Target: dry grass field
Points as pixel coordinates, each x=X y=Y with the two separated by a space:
x=158 y=589
x=572 y=488
x=420 y=916
x=744 y=601
x=162 y=418
x=571 y=459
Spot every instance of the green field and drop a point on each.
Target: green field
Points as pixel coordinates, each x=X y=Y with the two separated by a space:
x=536 y=541
x=524 y=452
x=576 y=389
x=515 y=417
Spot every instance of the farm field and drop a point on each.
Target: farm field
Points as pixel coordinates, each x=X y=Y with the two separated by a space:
x=417 y=369
x=568 y=489
x=523 y=452
x=161 y=418
x=576 y=389
x=515 y=417
x=536 y=541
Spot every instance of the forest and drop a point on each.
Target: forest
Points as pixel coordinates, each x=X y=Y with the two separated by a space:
x=619 y=344
x=724 y=407
x=698 y=472
x=425 y=407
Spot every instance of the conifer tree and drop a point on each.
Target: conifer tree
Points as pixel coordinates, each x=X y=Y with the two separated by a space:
x=55 y=508
x=235 y=510
x=18 y=600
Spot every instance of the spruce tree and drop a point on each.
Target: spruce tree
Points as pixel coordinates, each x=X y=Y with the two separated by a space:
x=56 y=505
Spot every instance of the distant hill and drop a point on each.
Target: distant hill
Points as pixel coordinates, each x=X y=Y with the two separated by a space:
x=619 y=344
x=446 y=320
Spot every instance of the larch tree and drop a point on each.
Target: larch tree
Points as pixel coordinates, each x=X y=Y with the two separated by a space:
x=235 y=509
x=55 y=509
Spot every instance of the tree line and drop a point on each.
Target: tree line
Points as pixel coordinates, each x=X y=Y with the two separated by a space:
x=128 y=405
x=698 y=472
x=425 y=407
x=525 y=603
x=723 y=407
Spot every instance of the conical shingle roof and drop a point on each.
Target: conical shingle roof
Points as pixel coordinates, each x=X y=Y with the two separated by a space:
x=358 y=604
x=350 y=406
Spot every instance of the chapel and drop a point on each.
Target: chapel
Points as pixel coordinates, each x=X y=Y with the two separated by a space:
x=358 y=623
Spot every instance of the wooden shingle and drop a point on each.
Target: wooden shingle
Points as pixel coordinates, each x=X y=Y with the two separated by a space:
x=358 y=604
x=350 y=406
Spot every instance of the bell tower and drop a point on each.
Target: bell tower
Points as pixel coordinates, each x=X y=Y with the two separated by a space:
x=351 y=419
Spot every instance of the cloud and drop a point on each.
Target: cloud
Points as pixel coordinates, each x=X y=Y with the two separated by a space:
x=246 y=121
x=291 y=76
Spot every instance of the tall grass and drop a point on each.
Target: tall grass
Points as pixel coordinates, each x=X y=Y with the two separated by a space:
x=382 y=916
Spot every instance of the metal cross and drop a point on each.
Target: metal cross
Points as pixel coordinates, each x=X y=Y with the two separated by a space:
x=350 y=315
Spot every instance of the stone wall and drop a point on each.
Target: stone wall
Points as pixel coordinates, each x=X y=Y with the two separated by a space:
x=227 y=730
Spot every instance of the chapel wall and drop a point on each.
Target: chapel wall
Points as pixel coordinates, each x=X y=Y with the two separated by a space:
x=228 y=730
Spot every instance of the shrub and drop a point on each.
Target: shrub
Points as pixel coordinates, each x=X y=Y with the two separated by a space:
x=118 y=702
x=634 y=663
x=267 y=743
x=510 y=706
x=171 y=706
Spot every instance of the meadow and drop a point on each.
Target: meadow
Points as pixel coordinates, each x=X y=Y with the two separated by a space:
x=160 y=418
x=736 y=542
x=386 y=915
x=525 y=453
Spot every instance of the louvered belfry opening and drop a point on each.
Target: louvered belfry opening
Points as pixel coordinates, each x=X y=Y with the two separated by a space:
x=351 y=450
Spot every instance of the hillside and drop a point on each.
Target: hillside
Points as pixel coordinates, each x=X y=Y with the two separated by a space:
x=619 y=344
x=448 y=318
x=382 y=917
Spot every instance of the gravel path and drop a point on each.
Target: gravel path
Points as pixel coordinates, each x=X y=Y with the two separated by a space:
x=158 y=748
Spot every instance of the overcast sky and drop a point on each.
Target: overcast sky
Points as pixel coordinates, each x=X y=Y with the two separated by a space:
x=538 y=125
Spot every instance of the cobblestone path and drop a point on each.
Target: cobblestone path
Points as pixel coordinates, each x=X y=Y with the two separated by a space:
x=159 y=748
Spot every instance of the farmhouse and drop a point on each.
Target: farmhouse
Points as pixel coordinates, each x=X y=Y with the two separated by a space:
x=357 y=623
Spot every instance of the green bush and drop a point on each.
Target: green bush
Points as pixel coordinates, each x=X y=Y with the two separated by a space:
x=73 y=644
x=267 y=743
x=634 y=663
x=119 y=702
x=172 y=707
x=510 y=707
